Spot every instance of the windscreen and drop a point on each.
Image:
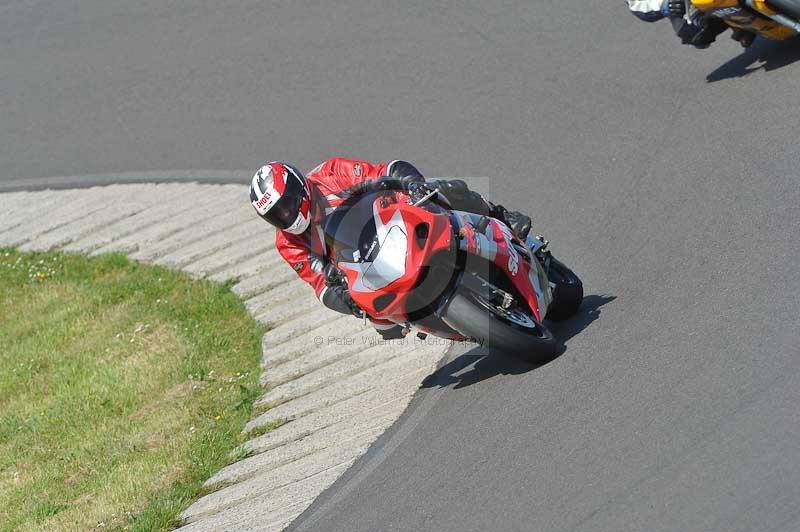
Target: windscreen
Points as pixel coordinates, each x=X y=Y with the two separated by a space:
x=350 y=229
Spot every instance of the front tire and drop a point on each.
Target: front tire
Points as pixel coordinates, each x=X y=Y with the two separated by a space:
x=568 y=291
x=513 y=335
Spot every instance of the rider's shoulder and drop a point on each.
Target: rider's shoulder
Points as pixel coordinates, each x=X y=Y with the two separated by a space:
x=343 y=167
x=331 y=167
x=319 y=169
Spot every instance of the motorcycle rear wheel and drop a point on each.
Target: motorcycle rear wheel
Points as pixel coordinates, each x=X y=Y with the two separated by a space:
x=513 y=333
x=568 y=292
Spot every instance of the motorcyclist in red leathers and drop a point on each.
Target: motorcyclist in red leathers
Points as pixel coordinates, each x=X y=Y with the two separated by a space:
x=297 y=206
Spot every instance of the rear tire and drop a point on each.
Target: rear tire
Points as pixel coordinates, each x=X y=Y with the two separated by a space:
x=472 y=318
x=567 y=294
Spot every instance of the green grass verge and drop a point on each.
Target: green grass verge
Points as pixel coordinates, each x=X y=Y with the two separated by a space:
x=122 y=388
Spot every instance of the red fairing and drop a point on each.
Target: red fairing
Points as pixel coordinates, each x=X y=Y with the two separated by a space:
x=517 y=269
x=439 y=239
x=326 y=181
x=502 y=253
x=385 y=292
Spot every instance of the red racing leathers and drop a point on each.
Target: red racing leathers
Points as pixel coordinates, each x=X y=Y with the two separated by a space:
x=306 y=252
x=328 y=183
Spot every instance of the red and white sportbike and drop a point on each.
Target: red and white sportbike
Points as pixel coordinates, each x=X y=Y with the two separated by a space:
x=408 y=258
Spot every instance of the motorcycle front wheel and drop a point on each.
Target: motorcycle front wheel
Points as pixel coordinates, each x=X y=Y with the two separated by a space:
x=512 y=332
x=567 y=293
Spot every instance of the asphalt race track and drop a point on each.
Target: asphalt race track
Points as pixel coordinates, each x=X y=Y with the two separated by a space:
x=667 y=177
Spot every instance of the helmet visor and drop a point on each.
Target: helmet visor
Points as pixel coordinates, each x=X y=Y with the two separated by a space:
x=285 y=211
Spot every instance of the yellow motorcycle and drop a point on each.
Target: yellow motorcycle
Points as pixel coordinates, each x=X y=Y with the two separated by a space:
x=773 y=19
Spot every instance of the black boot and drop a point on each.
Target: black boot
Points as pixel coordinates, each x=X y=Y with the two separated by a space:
x=518 y=222
x=745 y=38
x=710 y=28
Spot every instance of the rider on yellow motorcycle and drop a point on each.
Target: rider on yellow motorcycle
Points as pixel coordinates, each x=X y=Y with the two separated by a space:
x=698 y=30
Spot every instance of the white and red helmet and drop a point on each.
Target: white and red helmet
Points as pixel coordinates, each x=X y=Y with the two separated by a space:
x=280 y=195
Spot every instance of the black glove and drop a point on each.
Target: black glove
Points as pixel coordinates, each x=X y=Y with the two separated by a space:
x=410 y=178
x=417 y=189
x=677 y=8
x=333 y=275
x=710 y=27
x=685 y=30
x=395 y=333
x=412 y=181
x=337 y=296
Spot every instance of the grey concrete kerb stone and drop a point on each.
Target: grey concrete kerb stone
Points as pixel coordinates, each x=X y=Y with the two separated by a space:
x=334 y=398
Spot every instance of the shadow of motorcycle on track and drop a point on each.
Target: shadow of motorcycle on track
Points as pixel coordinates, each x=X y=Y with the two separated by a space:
x=772 y=55
x=477 y=365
